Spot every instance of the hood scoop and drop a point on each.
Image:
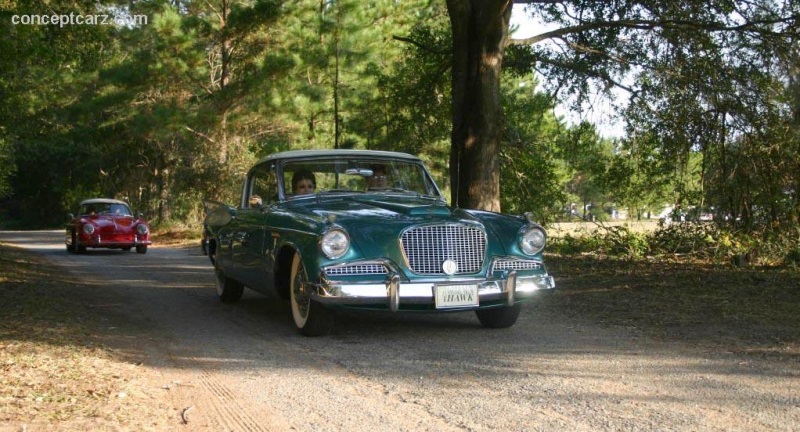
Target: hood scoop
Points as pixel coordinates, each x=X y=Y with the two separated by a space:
x=429 y=211
x=410 y=209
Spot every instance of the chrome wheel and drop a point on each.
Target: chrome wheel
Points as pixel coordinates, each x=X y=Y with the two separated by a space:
x=301 y=298
x=310 y=317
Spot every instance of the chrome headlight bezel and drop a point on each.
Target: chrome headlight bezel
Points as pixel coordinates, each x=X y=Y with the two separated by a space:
x=334 y=243
x=142 y=229
x=88 y=229
x=532 y=239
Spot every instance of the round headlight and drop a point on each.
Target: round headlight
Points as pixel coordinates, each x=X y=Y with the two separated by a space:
x=88 y=229
x=532 y=240
x=335 y=243
x=141 y=229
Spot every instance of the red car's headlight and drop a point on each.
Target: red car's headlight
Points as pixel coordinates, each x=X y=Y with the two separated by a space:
x=142 y=229
x=88 y=229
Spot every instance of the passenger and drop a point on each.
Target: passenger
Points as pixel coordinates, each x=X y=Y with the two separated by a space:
x=379 y=179
x=304 y=182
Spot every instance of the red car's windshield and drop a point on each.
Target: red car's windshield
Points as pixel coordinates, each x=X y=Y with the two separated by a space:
x=110 y=209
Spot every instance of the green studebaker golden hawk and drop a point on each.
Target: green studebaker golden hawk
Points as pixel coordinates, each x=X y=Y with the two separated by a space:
x=359 y=229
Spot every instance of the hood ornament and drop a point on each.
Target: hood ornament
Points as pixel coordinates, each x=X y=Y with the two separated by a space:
x=529 y=217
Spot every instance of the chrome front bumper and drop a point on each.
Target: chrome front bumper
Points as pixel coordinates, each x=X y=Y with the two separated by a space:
x=96 y=241
x=393 y=293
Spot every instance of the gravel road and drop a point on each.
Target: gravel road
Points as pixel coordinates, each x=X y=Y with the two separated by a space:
x=242 y=367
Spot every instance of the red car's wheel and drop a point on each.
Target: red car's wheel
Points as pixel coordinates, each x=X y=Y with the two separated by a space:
x=71 y=245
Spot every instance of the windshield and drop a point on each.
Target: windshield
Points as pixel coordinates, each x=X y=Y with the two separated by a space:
x=356 y=175
x=111 y=209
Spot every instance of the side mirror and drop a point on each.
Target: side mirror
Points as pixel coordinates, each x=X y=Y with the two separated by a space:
x=70 y=216
x=140 y=215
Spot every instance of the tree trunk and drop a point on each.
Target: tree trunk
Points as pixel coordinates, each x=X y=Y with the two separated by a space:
x=480 y=31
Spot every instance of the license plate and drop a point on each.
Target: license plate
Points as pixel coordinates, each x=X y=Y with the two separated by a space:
x=454 y=296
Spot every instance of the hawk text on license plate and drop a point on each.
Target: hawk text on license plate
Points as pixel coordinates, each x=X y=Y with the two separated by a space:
x=453 y=296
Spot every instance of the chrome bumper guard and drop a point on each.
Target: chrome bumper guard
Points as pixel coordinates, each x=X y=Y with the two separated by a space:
x=391 y=292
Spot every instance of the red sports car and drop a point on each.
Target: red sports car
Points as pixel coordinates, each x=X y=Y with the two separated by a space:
x=106 y=223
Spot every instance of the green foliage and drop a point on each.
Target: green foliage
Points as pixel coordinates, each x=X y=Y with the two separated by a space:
x=7 y=167
x=704 y=240
x=531 y=175
x=712 y=106
x=612 y=240
x=700 y=241
x=576 y=245
x=167 y=113
x=792 y=257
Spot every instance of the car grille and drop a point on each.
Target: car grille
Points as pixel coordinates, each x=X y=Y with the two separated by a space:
x=427 y=247
x=516 y=264
x=356 y=269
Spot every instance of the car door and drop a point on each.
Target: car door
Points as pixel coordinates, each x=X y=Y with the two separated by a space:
x=252 y=252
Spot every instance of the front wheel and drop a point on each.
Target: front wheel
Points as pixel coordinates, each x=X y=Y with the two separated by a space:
x=228 y=290
x=71 y=245
x=310 y=317
x=141 y=249
x=499 y=317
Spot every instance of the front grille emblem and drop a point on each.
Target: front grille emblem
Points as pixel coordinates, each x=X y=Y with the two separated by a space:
x=449 y=267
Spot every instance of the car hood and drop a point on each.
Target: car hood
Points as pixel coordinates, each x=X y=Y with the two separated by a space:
x=112 y=223
x=388 y=211
x=374 y=223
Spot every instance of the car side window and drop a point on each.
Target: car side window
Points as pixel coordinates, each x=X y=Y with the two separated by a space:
x=263 y=187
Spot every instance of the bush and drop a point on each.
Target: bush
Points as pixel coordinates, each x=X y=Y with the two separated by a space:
x=792 y=258
x=574 y=245
x=694 y=240
x=617 y=241
x=702 y=240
